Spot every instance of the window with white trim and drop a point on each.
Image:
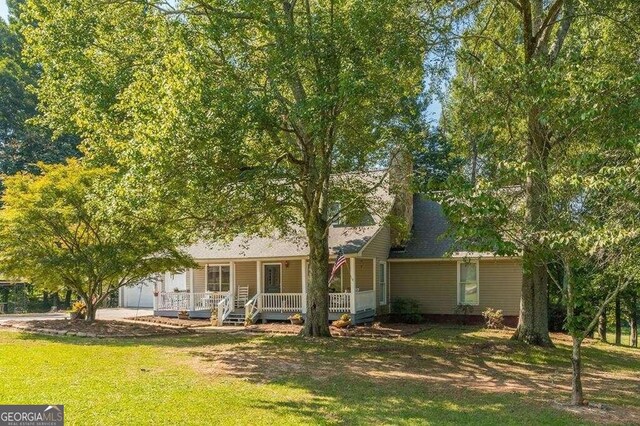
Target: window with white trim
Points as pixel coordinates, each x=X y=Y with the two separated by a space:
x=382 y=283
x=468 y=283
x=218 y=278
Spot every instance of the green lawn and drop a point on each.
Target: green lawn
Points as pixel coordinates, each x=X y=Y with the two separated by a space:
x=444 y=375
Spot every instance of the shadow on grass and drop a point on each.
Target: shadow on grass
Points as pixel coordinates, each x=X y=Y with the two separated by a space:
x=445 y=374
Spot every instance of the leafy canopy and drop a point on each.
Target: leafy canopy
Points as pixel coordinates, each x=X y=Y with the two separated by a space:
x=236 y=113
x=59 y=230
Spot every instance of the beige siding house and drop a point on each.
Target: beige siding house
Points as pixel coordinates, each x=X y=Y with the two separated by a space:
x=265 y=278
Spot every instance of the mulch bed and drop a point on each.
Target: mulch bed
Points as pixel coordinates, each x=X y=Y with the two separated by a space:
x=190 y=323
x=375 y=330
x=94 y=329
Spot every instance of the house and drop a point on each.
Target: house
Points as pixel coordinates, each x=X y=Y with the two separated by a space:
x=264 y=278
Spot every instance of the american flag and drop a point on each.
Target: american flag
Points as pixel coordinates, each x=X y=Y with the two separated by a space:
x=341 y=260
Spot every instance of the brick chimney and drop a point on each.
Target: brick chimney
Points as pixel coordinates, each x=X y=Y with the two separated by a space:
x=400 y=185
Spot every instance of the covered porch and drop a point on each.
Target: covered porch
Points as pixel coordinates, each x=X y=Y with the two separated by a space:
x=268 y=289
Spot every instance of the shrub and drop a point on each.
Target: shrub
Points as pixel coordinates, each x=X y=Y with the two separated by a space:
x=406 y=310
x=463 y=310
x=493 y=318
x=78 y=307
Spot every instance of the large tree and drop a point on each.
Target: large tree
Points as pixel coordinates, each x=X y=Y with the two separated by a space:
x=59 y=229
x=240 y=114
x=540 y=87
x=22 y=143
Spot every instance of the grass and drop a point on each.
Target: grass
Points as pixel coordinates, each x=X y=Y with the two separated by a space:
x=444 y=375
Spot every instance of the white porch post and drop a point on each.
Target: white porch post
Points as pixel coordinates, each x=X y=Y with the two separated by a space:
x=156 y=292
x=232 y=284
x=192 y=304
x=304 y=286
x=352 y=276
x=259 y=283
x=375 y=283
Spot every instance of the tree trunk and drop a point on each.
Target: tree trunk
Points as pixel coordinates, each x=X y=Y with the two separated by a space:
x=533 y=323
x=317 y=319
x=602 y=326
x=91 y=311
x=633 y=323
x=618 y=321
x=67 y=299
x=577 y=396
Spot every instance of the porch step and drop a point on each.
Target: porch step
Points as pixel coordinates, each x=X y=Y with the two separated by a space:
x=234 y=318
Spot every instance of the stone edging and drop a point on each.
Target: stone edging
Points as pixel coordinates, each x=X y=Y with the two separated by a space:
x=52 y=332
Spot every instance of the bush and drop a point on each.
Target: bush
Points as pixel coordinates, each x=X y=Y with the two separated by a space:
x=463 y=310
x=406 y=310
x=493 y=318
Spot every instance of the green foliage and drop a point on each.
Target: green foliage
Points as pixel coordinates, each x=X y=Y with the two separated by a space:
x=236 y=117
x=463 y=309
x=22 y=143
x=406 y=310
x=582 y=97
x=60 y=229
x=435 y=161
x=250 y=103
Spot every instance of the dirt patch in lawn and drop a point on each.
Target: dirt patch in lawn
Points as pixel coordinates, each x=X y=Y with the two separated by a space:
x=189 y=323
x=375 y=330
x=98 y=328
x=484 y=362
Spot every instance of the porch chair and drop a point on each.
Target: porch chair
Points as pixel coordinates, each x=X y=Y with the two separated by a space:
x=242 y=297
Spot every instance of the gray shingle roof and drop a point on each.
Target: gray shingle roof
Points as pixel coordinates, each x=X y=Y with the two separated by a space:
x=429 y=224
x=350 y=240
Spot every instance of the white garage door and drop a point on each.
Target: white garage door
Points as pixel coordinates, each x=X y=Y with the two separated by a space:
x=142 y=293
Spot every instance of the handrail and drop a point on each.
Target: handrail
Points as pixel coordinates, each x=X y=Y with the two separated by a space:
x=251 y=310
x=225 y=307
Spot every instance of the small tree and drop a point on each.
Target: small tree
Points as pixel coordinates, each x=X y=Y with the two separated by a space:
x=58 y=230
x=596 y=243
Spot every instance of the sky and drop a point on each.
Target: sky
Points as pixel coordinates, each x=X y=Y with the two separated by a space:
x=3 y=9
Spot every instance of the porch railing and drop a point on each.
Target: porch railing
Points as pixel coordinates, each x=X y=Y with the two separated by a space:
x=189 y=301
x=281 y=302
x=339 y=302
x=207 y=301
x=365 y=300
x=174 y=301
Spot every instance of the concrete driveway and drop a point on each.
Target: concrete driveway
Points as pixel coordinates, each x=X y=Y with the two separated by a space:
x=103 y=314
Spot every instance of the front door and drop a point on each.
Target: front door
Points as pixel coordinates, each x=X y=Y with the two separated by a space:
x=272 y=278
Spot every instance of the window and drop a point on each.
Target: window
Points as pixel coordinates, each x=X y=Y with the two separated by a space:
x=468 y=288
x=218 y=277
x=382 y=283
